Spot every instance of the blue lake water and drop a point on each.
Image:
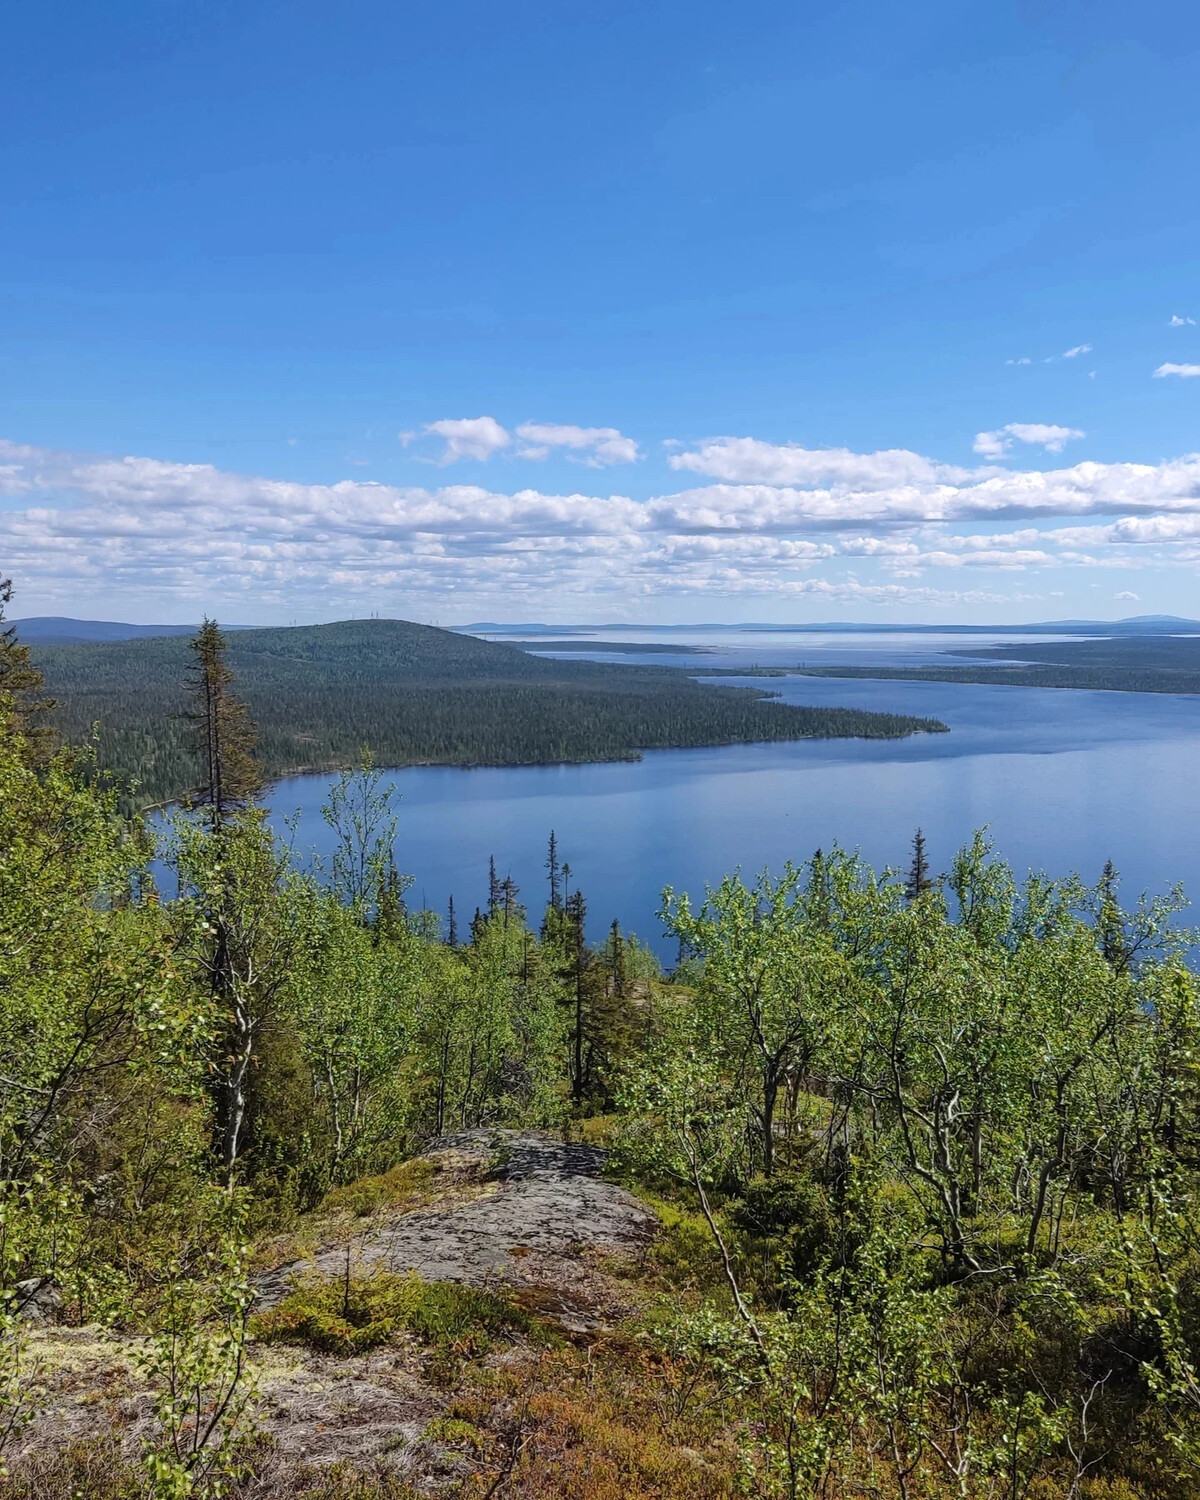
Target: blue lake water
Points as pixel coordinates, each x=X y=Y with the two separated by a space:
x=1064 y=779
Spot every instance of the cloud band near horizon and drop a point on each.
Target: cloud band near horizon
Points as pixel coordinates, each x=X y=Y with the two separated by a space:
x=772 y=520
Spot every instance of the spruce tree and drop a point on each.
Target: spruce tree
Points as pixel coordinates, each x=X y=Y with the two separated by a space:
x=919 y=880
x=1110 y=920
x=616 y=958
x=552 y=870
x=239 y=887
x=21 y=685
x=509 y=894
x=224 y=732
x=576 y=914
x=452 y=934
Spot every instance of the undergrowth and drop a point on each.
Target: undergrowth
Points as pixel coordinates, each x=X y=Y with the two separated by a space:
x=98 y=1470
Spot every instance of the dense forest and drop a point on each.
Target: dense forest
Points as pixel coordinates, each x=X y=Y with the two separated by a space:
x=1125 y=664
x=415 y=695
x=920 y=1147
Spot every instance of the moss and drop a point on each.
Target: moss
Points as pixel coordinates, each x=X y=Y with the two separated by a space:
x=453 y=1431
x=405 y=1186
x=363 y=1312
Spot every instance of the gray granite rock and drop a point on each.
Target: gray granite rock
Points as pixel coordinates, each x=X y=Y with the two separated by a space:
x=550 y=1206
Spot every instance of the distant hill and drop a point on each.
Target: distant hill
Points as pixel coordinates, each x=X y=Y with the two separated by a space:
x=413 y=694
x=61 y=630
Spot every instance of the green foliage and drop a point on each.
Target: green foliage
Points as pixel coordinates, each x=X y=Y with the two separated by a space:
x=923 y=1153
x=196 y=1364
x=353 y=1314
x=973 y=1281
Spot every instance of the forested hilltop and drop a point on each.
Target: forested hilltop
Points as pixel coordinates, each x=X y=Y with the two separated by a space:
x=304 y=1193
x=413 y=694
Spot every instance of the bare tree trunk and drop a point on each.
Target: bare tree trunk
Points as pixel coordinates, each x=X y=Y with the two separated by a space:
x=241 y=1051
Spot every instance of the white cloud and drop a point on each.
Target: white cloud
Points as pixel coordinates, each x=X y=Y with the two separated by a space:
x=469 y=437
x=1177 y=322
x=1186 y=372
x=73 y=524
x=1125 y=594
x=749 y=460
x=1018 y=361
x=1076 y=351
x=990 y=444
x=1046 y=435
x=598 y=447
x=480 y=437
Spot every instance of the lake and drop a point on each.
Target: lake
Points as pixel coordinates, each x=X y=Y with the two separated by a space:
x=1063 y=779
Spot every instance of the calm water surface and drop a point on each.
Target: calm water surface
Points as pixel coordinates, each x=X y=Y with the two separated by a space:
x=1064 y=779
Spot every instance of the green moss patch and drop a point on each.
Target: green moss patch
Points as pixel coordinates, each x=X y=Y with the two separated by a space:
x=351 y=1316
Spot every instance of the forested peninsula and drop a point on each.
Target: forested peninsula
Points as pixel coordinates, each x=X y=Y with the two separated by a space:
x=413 y=694
x=1123 y=664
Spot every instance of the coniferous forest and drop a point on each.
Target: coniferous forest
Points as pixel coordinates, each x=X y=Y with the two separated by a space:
x=918 y=1150
x=415 y=695
x=1122 y=664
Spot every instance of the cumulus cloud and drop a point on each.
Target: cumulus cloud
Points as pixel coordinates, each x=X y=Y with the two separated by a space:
x=469 y=437
x=997 y=444
x=598 y=447
x=1177 y=322
x=768 y=519
x=1186 y=372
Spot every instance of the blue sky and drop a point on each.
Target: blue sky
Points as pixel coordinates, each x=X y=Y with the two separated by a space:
x=751 y=312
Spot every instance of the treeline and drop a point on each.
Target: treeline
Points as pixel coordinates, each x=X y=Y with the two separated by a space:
x=1137 y=664
x=415 y=695
x=925 y=1145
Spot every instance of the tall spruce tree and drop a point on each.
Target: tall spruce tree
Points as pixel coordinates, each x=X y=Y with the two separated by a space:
x=552 y=870
x=224 y=732
x=237 y=874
